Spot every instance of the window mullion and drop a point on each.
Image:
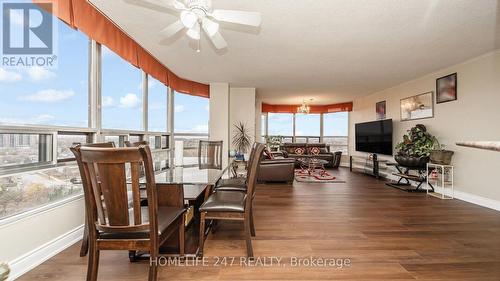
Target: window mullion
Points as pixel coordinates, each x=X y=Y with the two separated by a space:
x=145 y=98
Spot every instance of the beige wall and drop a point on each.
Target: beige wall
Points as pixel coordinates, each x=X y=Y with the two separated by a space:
x=242 y=109
x=474 y=116
x=24 y=235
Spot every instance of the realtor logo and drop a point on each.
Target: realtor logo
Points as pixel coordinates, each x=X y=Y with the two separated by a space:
x=28 y=34
x=27 y=29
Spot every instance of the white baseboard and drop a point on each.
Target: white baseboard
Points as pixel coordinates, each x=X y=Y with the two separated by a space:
x=32 y=259
x=460 y=195
x=476 y=199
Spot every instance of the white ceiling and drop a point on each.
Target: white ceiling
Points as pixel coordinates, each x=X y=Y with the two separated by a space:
x=329 y=50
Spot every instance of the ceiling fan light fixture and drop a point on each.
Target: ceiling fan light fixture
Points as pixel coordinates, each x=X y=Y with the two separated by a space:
x=194 y=32
x=189 y=19
x=210 y=27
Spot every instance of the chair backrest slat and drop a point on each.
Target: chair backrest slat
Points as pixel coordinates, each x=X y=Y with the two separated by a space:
x=95 y=188
x=114 y=192
x=136 y=194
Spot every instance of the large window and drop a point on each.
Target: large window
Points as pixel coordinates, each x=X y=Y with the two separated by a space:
x=157 y=105
x=191 y=114
x=307 y=125
x=280 y=124
x=121 y=93
x=33 y=168
x=49 y=96
x=335 y=130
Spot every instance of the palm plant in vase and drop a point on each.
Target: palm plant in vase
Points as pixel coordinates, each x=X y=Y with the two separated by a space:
x=242 y=140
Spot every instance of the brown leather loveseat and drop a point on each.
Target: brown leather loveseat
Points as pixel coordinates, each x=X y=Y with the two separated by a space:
x=277 y=169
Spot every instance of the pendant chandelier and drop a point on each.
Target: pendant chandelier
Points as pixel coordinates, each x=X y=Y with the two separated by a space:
x=304 y=108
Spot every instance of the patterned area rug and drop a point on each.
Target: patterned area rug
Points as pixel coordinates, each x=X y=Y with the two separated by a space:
x=316 y=177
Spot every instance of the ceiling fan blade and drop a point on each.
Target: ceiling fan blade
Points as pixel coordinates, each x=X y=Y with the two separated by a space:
x=209 y=26
x=218 y=41
x=172 y=29
x=238 y=17
x=157 y=5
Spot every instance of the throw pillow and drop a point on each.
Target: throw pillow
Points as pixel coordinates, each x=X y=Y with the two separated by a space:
x=299 y=151
x=314 y=150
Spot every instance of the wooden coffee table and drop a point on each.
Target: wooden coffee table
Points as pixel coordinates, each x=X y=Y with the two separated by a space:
x=310 y=165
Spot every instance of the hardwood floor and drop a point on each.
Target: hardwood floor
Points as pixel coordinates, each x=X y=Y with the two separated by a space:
x=386 y=234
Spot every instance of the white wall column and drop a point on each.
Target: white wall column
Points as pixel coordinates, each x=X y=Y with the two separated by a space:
x=219 y=117
x=242 y=109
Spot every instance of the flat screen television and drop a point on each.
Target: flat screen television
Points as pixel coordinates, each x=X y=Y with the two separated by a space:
x=374 y=137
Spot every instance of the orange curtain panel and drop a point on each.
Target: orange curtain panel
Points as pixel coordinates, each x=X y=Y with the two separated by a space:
x=83 y=16
x=290 y=108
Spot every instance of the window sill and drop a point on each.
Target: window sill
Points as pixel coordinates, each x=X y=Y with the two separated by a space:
x=38 y=210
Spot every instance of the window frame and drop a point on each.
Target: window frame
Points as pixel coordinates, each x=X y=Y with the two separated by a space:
x=294 y=137
x=94 y=133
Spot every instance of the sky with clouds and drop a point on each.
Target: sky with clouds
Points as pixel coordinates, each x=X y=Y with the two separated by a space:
x=59 y=96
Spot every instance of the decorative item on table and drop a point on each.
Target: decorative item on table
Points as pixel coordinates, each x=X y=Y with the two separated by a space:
x=446 y=88
x=4 y=271
x=274 y=142
x=232 y=153
x=415 y=148
x=417 y=107
x=241 y=140
x=380 y=110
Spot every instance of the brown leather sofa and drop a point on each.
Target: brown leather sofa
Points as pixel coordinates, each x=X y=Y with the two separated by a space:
x=276 y=170
x=289 y=150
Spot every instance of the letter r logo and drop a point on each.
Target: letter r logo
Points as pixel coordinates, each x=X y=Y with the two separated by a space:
x=27 y=29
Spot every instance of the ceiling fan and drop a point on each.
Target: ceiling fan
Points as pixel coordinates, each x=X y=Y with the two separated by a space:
x=197 y=15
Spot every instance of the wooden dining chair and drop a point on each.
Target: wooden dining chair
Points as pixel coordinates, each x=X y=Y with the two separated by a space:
x=76 y=151
x=135 y=144
x=236 y=183
x=210 y=154
x=234 y=205
x=111 y=227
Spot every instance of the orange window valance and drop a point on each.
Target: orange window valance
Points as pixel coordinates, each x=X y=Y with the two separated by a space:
x=83 y=16
x=290 y=108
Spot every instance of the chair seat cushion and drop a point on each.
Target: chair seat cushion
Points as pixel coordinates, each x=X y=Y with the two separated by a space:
x=232 y=182
x=166 y=216
x=225 y=201
x=231 y=188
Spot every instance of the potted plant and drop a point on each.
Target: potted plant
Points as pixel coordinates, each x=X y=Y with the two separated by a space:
x=439 y=155
x=274 y=142
x=416 y=147
x=241 y=140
